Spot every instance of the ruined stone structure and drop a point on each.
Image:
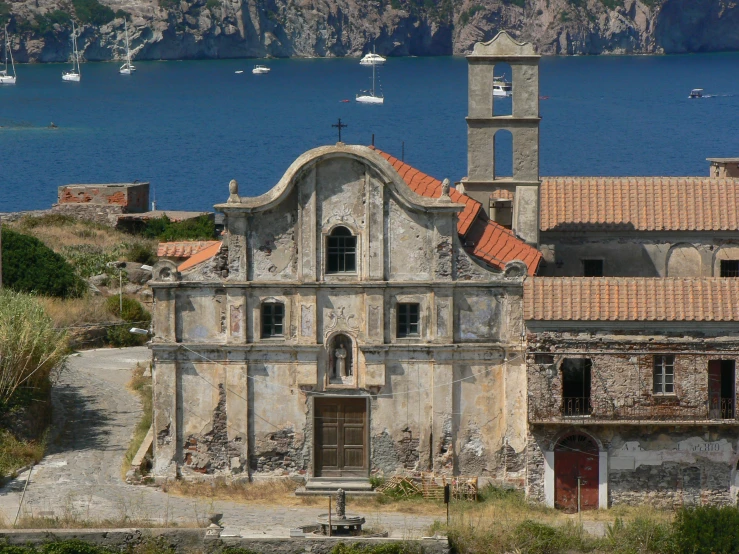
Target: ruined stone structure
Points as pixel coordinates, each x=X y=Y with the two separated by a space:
x=102 y=203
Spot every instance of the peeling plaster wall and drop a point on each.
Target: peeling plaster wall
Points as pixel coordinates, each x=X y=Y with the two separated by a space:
x=272 y=243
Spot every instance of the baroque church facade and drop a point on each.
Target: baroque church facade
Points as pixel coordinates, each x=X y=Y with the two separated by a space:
x=360 y=318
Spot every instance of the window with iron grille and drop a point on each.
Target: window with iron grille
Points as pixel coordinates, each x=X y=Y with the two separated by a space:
x=342 y=251
x=273 y=314
x=664 y=375
x=729 y=268
x=592 y=268
x=408 y=320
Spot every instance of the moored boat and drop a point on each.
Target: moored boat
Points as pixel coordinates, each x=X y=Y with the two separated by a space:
x=260 y=69
x=5 y=77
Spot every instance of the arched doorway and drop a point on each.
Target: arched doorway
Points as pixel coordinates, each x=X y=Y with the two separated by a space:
x=576 y=463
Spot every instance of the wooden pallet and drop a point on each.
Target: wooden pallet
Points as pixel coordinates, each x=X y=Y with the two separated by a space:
x=430 y=486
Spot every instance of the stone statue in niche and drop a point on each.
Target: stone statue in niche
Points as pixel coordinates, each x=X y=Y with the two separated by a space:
x=340 y=359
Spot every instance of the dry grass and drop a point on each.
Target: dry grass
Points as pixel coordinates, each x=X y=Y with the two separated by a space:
x=74 y=522
x=15 y=453
x=59 y=232
x=142 y=386
x=71 y=312
x=279 y=492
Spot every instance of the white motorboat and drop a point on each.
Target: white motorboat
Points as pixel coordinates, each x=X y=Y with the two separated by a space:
x=501 y=87
x=696 y=93
x=74 y=74
x=5 y=77
x=372 y=59
x=370 y=96
x=127 y=68
x=239 y=72
x=260 y=69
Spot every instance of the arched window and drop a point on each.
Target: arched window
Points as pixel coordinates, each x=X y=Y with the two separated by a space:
x=273 y=316
x=342 y=251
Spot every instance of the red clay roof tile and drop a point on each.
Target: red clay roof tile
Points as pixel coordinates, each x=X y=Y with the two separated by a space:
x=631 y=299
x=639 y=204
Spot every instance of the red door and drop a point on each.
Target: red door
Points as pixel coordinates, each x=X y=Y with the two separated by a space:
x=576 y=458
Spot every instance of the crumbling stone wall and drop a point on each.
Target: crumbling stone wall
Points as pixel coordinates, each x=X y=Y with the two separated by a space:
x=97 y=213
x=213 y=452
x=280 y=452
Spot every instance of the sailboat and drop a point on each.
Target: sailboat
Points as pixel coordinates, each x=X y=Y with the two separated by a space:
x=127 y=68
x=73 y=75
x=5 y=78
x=370 y=97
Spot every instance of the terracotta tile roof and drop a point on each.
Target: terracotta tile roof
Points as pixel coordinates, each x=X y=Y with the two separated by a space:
x=201 y=256
x=487 y=240
x=183 y=249
x=631 y=299
x=639 y=203
x=425 y=185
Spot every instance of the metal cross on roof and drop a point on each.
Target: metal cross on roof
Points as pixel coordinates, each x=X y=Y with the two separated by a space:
x=339 y=126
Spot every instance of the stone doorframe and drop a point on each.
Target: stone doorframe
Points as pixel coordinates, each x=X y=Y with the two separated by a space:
x=602 y=470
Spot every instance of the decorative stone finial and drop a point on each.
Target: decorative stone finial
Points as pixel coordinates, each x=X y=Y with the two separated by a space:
x=445 y=191
x=233 y=189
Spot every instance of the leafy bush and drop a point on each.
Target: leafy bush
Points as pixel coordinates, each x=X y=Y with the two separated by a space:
x=31 y=347
x=93 y=12
x=707 y=530
x=30 y=266
x=141 y=253
x=45 y=22
x=212 y=4
x=164 y=229
x=134 y=314
x=5 y=12
x=88 y=260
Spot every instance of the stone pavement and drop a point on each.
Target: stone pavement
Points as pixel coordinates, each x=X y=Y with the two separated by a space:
x=81 y=478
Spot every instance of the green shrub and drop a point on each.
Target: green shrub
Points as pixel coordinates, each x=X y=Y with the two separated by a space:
x=707 y=530
x=5 y=12
x=93 y=12
x=141 y=253
x=30 y=266
x=212 y=4
x=392 y=548
x=73 y=546
x=134 y=315
x=163 y=229
x=45 y=22
x=87 y=259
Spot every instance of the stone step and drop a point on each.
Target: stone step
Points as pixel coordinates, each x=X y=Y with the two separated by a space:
x=325 y=485
x=336 y=484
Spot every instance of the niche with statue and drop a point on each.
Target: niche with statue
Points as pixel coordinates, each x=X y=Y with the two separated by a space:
x=341 y=360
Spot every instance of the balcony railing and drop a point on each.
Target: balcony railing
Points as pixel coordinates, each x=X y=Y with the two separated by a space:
x=585 y=410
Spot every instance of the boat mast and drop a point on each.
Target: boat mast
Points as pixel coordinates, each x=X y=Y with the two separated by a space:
x=128 y=52
x=373 y=78
x=8 y=49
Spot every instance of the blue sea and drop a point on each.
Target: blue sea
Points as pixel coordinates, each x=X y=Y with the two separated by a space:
x=190 y=127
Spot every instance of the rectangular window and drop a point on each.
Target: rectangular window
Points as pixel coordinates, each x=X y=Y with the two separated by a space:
x=408 y=320
x=592 y=268
x=664 y=375
x=729 y=268
x=273 y=314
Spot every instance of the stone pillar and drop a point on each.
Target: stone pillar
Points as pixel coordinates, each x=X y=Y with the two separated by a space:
x=307 y=231
x=374 y=216
x=237 y=411
x=165 y=417
x=442 y=416
x=238 y=250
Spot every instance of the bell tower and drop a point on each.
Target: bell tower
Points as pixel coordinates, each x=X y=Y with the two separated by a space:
x=516 y=196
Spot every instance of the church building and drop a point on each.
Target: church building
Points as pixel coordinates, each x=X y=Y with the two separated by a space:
x=361 y=318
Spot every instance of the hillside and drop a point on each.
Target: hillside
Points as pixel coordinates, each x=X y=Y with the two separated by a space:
x=171 y=29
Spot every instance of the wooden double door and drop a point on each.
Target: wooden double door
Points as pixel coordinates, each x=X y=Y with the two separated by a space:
x=341 y=448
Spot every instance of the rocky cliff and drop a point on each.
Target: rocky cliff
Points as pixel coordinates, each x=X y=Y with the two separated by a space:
x=187 y=29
